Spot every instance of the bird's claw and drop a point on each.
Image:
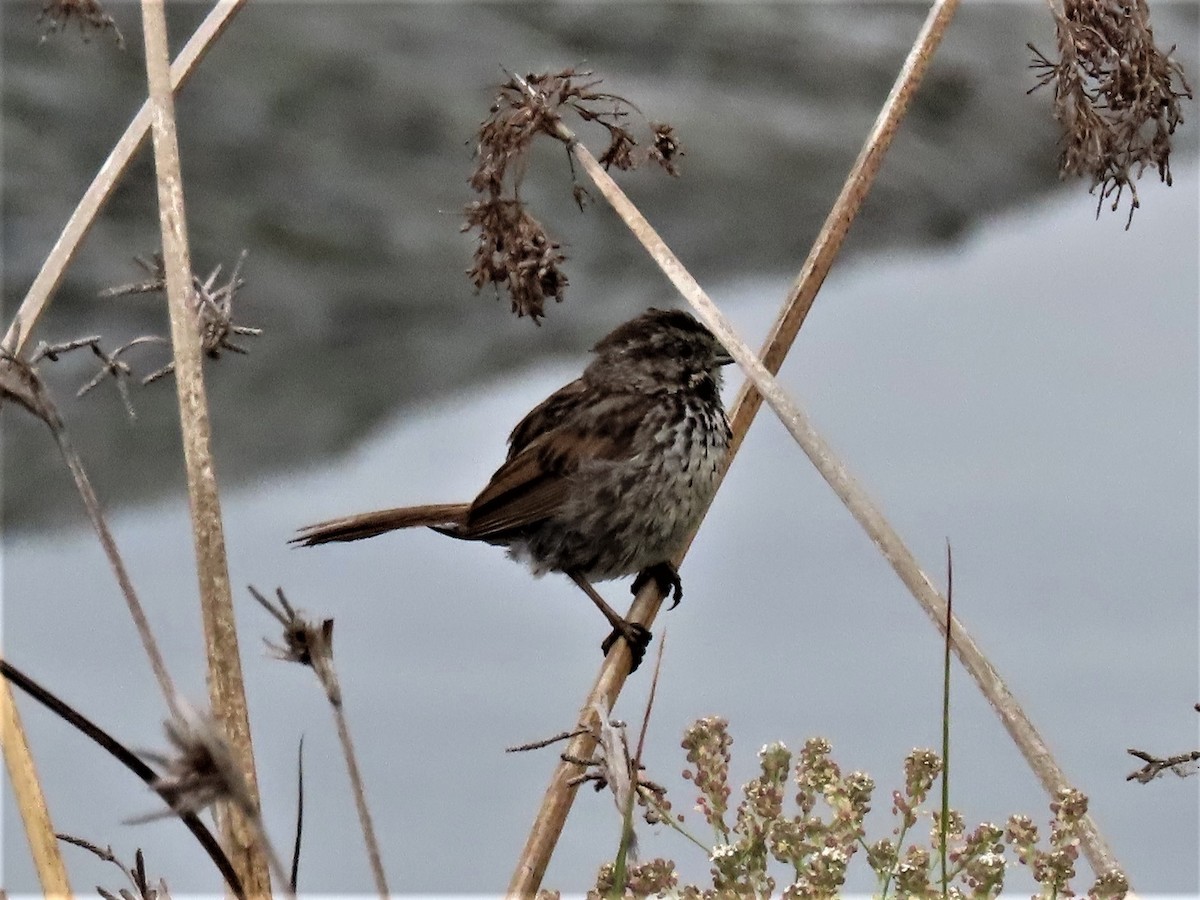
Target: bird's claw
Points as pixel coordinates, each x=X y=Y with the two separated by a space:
x=638 y=638
x=667 y=577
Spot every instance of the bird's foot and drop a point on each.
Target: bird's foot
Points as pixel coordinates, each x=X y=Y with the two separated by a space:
x=667 y=577
x=637 y=636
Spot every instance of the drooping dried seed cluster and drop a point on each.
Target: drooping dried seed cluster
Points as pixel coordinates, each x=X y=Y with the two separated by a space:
x=1116 y=95
x=514 y=249
x=89 y=13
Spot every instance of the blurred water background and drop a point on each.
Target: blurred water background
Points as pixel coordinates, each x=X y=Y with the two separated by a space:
x=333 y=141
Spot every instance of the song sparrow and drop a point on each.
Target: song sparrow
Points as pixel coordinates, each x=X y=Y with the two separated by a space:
x=607 y=477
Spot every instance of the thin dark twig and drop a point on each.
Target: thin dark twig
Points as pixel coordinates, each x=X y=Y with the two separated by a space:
x=637 y=757
x=546 y=742
x=130 y=760
x=944 y=824
x=111 y=363
x=104 y=853
x=1180 y=764
x=295 y=874
x=135 y=873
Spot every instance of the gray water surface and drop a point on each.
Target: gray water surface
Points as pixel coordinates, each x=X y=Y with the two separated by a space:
x=333 y=141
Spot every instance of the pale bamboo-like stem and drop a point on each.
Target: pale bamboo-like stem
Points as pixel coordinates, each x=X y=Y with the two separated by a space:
x=226 y=689
x=560 y=794
x=845 y=209
x=274 y=860
x=50 y=276
x=31 y=802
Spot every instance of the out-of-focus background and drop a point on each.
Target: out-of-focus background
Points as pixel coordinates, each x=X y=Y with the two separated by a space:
x=996 y=366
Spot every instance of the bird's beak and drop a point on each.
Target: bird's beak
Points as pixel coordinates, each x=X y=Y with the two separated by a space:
x=723 y=358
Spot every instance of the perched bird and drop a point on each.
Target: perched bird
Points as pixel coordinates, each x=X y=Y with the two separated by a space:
x=606 y=477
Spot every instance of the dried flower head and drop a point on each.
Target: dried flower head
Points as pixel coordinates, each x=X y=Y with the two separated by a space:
x=1116 y=95
x=135 y=873
x=981 y=856
x=921 y=769
x=654 y=878
x=21 y=383
x=304 y=642
x=1112 y=885
x=200 y=769
x=211 y=303
x=817 y=850
x=111 y=364
x=89 y=14
x=513 y=249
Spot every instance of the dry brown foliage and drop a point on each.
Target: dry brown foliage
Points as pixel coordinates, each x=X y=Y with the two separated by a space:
x=514 y=249
x=89 y=14
x=1116 y=95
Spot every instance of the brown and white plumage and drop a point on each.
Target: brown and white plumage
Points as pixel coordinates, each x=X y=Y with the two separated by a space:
x=608 y=475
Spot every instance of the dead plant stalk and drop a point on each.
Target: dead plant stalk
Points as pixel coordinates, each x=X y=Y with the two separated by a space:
x=226 y=689
x=30 y=800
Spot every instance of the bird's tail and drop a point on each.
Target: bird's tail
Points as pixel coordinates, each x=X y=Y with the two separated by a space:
x=443 y=516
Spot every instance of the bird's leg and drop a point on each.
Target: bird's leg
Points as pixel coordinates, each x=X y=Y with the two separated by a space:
x=636 y=636
x=667 y=577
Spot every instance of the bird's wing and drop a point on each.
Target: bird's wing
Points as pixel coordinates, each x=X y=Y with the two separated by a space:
x=534 y=482
x=547 y=415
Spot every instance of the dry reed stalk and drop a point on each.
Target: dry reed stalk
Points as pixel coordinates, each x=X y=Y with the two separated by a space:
x=31 y=802
x=225 y=684
x=310 y=643
x=374 y=857
x=559 y=795
x=50 y=276
x=108 y=543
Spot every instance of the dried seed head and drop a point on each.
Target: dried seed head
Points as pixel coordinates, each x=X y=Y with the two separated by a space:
x=212 y=305
x=665 y=148
x=619 y=153
x=514 y=250
x=21 y=383
x=89 y=13
x=304 y=642
x=200 y=769
x=1116 y=95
